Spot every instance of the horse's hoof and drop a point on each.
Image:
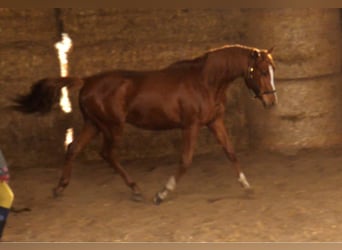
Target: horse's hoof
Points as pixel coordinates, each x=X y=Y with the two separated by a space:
x=57 y=191
x=157 y=200
x=137 y=197
x=249 y=192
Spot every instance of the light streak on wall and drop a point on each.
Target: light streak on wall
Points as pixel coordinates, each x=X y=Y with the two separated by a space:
x=63 y=47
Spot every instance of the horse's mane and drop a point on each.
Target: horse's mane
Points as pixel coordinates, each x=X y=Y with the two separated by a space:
x=224 y=47
x=190 y=63
x=200 y=60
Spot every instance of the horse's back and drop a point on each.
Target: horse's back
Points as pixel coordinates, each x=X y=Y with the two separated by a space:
x=146 y=99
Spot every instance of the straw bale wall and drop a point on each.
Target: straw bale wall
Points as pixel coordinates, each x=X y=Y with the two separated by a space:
x=308 y=55
x=105 y=39
x=27 y=54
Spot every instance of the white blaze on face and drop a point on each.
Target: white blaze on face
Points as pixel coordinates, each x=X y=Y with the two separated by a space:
x=270 y=68
x=63 y=48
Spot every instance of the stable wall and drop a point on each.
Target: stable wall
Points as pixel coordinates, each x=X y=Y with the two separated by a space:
x=308 y=75
x=26 y=55
x=105 y=39
x=308 y=57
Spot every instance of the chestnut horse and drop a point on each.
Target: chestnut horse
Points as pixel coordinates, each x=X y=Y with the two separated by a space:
x=186 y=95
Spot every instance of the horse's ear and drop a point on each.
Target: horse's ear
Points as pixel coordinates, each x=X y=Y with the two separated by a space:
x=269 y=51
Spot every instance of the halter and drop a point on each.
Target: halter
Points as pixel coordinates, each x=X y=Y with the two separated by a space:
x=250 y=76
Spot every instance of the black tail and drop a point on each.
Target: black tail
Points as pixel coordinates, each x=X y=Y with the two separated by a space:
x=43 y=95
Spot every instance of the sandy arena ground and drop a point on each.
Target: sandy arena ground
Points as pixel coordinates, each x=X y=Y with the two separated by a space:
x=297 y=198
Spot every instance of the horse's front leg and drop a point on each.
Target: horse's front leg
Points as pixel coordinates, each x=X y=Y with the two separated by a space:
x=219 y=130
x=189 y=141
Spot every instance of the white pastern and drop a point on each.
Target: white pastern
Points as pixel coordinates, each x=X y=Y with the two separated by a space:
x=242 y=179
x=171 y=184
x=163 y=194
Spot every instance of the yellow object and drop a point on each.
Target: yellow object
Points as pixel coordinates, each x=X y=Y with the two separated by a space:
x=6 y=195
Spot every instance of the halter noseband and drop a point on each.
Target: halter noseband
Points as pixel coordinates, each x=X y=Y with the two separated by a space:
x=250 y=76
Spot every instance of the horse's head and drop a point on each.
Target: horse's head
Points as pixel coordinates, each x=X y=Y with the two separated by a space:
x=260 y=76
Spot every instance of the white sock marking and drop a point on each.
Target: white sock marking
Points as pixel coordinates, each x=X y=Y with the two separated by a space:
x=163 y=194
x=171 y=184
x=243 y=180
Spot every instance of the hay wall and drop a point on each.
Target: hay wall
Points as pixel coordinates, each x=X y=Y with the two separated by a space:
x=106 y=39
x=27 y=54
x=308 y=76
x=308 y=55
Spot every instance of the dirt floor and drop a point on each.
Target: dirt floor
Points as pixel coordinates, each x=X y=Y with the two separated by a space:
x=297 y=198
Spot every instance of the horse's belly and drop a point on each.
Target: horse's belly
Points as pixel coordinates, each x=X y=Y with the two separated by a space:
x=153 y=118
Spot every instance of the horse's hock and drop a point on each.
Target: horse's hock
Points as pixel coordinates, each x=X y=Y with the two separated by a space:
x=308 y=56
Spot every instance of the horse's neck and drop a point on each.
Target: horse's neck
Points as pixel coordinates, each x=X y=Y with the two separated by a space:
x=225 y=70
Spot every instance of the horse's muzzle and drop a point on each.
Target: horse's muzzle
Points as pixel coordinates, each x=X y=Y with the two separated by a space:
x=269 y=99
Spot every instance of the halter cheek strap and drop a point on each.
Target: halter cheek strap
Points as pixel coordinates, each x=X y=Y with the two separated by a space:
x=250 y=71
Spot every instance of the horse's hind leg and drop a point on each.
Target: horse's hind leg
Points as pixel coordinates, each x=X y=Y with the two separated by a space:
x=189 y=140
x=109 y=153
x=87 y=133
x=219 y=130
